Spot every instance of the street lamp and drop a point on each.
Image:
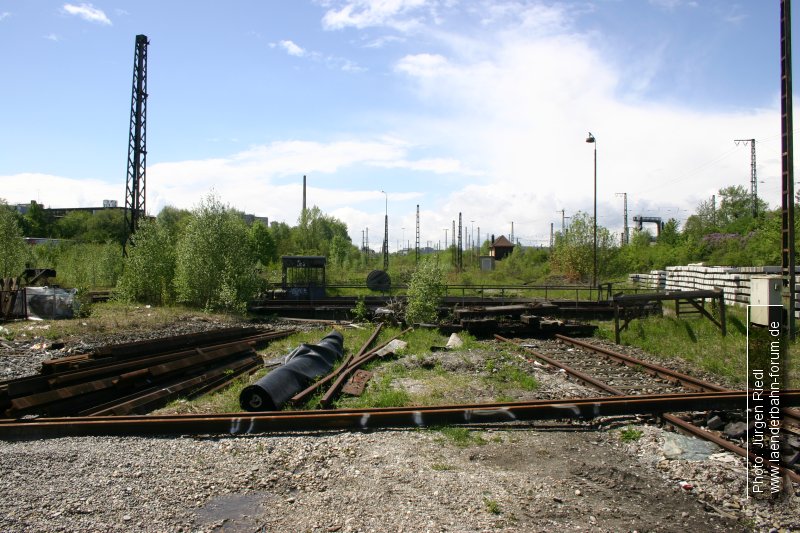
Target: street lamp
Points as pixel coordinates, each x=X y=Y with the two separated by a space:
x=386 y=234
x=592 y=140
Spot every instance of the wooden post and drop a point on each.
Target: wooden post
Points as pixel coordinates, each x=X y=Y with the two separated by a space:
x=616 y=323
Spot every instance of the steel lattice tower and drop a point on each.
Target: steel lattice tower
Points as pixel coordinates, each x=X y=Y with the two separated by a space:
x=416 y=247
x=137 y=141
x=753 y=176
x=460 y=251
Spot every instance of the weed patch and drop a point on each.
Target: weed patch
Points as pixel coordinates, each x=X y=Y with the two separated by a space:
x=459 y=436
x=492 y=506
x=630 y=434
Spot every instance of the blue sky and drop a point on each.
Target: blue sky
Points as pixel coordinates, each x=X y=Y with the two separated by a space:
x=456 y=105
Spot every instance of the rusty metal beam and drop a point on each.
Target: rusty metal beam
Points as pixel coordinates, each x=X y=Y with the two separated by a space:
x=251 y=423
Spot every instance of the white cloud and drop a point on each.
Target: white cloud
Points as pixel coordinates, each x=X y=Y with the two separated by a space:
x=330 y=61
x=253 y=180
x=87 y=12
x=4 y=15
x=674 y=4
x=517 y=105
x=52 y=37
x=292 y=49
x=366 y=13
x=59 y=191
x=380 y=42
x=421 y=65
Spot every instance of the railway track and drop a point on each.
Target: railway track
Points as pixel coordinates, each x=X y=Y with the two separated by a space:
x=621 y=375
x=359 y=419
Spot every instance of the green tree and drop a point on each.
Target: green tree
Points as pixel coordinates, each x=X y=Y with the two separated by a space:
x=215 y=266
x=425 y=292
x=315 y=232
x=14 y=250
x=73 y=225
x=149 y=273
x=107 y=225
x=670 y=233
x=573 y=253
x=174 y=220
x=282 y=236
x=263 y=244
x=37 y=222
x=339 y=249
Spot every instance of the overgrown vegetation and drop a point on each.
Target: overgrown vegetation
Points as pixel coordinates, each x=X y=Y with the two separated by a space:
x=699 y=341
x=425 y=292
x=12 y=244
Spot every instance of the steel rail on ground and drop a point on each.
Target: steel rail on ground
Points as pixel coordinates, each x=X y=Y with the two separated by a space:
x=689 y=382
x=662 y=372
x=353 y=419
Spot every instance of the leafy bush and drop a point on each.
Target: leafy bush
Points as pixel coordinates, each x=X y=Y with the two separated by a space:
x=425 y=292
x=79 y=265
x=15 y=251
x=150 y=266
x=360 y=312
x=215 y=263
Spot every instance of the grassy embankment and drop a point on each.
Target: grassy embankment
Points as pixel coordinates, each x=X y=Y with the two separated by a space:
x=700 y=342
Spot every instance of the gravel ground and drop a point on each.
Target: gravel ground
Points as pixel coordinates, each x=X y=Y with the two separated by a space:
x=508 y=478
x=388 y=481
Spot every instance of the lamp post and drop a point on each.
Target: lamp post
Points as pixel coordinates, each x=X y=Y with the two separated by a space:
x=592 y=140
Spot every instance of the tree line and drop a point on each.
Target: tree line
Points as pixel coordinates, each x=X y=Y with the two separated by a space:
x=209 y=257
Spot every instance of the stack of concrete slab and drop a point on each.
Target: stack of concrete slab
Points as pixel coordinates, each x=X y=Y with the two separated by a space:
x=735 y=281
x=655 y=280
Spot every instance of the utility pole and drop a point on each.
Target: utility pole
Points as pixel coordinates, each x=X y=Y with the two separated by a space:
x=137 y=142
x=753 y=177
x=368 y=250
x=445 y=238
x=714 y=209
x=386 y=235
x=455 y=252
x=625 y=234
x=551 y=235
x=563 y=222
x=512 y=232
x=478 y=248
x=787 y=167
x=303 y=213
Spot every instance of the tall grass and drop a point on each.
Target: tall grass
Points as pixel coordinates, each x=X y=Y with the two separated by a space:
x=699 y=341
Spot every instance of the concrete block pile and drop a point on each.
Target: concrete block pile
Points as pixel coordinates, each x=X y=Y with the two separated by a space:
x=655 y=280
x=735 y=281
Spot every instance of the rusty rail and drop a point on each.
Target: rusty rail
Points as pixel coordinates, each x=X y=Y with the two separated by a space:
x=661 y=372
x=689 y=382
x=350 y=419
